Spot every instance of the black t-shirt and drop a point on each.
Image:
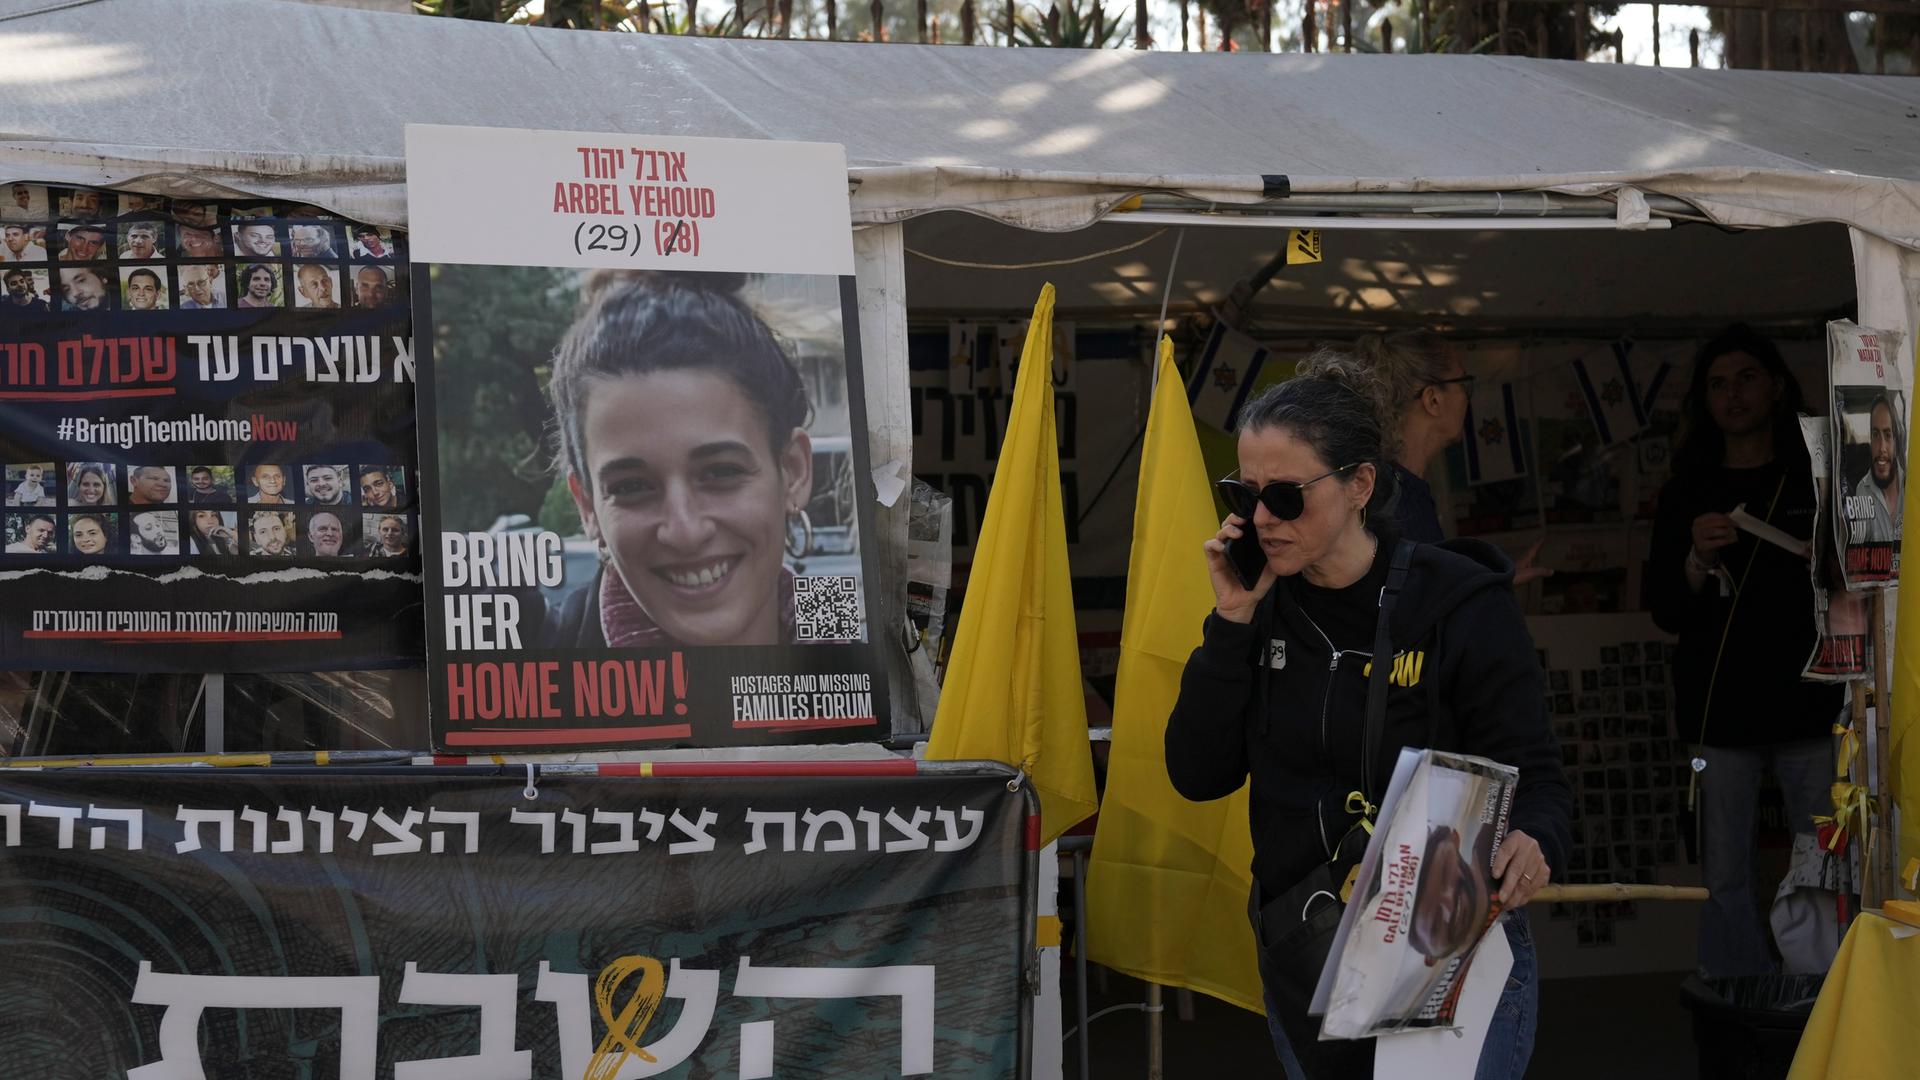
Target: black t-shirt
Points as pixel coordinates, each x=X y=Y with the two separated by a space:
x=1347 y=616
x=1757 y=696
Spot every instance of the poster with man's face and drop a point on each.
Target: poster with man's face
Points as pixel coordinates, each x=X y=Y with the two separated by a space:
x=1869 y=438
x=672 y=548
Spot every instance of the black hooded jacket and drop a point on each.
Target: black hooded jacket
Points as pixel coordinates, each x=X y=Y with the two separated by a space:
x=1272 y=700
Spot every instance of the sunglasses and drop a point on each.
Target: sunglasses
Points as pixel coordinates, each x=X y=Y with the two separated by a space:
x=1284 y=499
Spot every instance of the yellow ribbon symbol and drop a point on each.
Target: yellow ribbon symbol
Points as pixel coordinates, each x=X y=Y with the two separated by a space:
x=622 y=1039
x=1851 y=803
x=1849 y=745
x=1357 y=804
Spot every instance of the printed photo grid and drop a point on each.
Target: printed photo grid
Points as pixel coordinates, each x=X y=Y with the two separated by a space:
x=1629 y=773
x=83 y=250
x=89 y=511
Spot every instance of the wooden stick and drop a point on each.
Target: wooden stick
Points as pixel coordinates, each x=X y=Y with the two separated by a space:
x=1857 y=719
x=1589 y=894
x=1881 y=874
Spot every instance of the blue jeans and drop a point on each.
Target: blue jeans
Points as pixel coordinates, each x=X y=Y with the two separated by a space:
x=1509 y=1044
x=1731 y=939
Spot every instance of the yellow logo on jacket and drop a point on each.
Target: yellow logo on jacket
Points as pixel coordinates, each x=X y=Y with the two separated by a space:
x=1406 y=668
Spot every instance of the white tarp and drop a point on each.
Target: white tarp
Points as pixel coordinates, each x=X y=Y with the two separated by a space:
x=306 y=102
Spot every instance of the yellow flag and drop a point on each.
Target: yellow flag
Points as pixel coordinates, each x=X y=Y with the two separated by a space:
x=1167 y=884
x=1013 y=691
x=1904 y=676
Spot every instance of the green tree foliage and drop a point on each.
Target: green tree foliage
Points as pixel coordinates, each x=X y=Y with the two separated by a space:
x=494 y=330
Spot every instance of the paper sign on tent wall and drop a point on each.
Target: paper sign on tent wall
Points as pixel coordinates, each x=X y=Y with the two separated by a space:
x=965 y=361
x=1496 y=440
x=1228 y=369
x=1303 y=246
x=1614 y=398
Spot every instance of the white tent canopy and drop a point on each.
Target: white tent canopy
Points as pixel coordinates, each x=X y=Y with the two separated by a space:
x=304 y=102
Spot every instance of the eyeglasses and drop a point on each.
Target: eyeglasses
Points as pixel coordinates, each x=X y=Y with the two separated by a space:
x=1284 y=499
x=1463 y=380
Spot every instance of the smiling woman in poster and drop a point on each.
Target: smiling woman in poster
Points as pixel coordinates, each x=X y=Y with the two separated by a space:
x=90 y=484
x=682 y=431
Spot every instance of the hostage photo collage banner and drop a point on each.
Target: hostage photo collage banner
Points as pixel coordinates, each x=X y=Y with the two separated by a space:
x=207 y=432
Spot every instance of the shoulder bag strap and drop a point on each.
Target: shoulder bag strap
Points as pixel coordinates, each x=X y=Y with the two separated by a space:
x=1382 y=665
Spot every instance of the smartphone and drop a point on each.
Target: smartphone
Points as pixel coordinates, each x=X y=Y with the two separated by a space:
x=1247 y=557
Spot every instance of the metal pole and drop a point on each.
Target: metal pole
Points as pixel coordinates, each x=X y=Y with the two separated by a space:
x=1156 y=1069
x=1080 y=951
x=215 y=688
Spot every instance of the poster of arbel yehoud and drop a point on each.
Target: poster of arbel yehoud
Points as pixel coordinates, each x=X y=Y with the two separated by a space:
x=1869 y=451
x=652 y=517
x=1422 y=901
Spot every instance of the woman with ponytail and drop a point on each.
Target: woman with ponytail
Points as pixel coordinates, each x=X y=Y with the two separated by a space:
x=1278 y=694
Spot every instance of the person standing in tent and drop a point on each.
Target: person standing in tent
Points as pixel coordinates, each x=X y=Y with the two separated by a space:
x=1741 y=608
x=1278 y=694
x=1421 y=392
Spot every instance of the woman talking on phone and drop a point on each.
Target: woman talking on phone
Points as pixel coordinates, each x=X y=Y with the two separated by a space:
x=1308 y=581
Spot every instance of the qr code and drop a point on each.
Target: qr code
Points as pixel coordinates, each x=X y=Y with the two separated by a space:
x=826 y=609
